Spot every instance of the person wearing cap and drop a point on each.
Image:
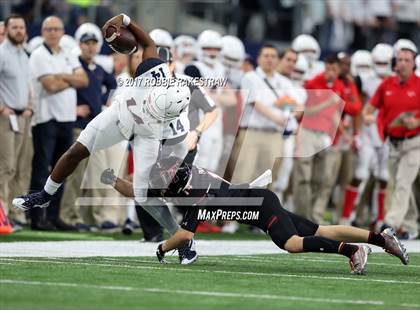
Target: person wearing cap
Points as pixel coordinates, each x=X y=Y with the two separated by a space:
x=90 y=101
x=15 y=115
x=398 y=102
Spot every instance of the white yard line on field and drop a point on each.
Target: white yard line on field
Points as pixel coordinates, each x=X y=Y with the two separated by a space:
x=204 y=293
x=314 y=260
x=242 y=273
x=136 y=249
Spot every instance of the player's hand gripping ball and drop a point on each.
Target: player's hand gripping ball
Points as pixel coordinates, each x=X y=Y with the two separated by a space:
x=119 y=37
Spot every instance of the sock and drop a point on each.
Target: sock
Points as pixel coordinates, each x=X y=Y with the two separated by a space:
x=51 y=187
x=349 y=199
x=321 y=244
x=162 y=214
x=347 y=249
x=376 y=239
x=381 y=201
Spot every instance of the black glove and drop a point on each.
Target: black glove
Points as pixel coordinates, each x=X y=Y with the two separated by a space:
x=108 y=177
x=161 y=255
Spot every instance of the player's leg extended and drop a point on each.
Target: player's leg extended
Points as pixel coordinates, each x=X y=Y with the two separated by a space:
x=386 y=239
x=100 y=133
x=297 y=239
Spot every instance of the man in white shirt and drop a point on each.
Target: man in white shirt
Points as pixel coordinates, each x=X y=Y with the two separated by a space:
x=15 y=114
x=259 y=140
x=55 y=75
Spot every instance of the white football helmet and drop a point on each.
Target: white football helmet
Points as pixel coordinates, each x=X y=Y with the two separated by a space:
x=167 y=103
x=206 y=40
x=233 y=51
x=404 y=44
x=67 y=43
x=307 y=45
x=418 y=65
x=382 y=58
x=185 y=45
x=301 y=67
x=361 y=63
x=162 y=38
x=34 y=43
x=89 y=28
x=209 y=39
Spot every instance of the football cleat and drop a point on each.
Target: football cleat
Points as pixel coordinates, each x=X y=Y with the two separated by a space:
x=187 y=254
x=161 y=255
x=358 y=260
x=394 y=246
x=35 y=200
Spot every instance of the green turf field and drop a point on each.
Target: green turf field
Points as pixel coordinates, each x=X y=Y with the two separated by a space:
x=304 y=281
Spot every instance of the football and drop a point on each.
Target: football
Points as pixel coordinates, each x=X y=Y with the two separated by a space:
x=122 y=41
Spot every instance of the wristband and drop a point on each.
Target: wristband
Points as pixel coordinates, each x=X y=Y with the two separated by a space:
x=126 y=20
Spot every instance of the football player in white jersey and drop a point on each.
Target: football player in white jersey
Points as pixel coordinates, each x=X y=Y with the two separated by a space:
x=372 y=153
x=185 y=52
x=306 y=45
x=162 y=38
x=287 y=67
x=209 y=66
x=145 y=115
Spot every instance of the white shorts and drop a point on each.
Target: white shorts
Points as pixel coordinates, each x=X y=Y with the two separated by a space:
x=371 y=159
x=102 y=132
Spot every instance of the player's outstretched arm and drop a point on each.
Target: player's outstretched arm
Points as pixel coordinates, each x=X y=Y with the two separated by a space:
x=142 y=37
x=122 y=186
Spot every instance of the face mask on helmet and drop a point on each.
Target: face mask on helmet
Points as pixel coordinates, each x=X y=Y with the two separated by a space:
x=382 y=69
x=310 y=56
x=210 y=56
x=170 y=176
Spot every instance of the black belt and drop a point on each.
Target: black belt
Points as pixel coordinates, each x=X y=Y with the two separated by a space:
x=398 y=140
x=18 y=112
x=272 y=130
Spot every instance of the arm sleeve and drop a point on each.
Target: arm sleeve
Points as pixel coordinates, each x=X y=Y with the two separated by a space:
x=74 y=62
x=376 y=100
x=353 y=104
x=148 y=64
x=192 y=71
x=248 y=92
x=39 y=66
x=201 y=99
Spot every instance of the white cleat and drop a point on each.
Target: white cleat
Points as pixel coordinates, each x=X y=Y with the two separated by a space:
x=358 y=260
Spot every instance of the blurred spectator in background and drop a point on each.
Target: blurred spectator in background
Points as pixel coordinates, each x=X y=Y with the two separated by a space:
x=340 y=156
x=397 y=100
x=337 y=31
x=408 y=19
x=383 y=25
x=318 y=127
x=2 y=31
x=259 y=141
x=307 y=46
x=90 y=101
x=185 y=52
x=15 y=115
x=372 y=153
x=248 y=64
x=55 y=75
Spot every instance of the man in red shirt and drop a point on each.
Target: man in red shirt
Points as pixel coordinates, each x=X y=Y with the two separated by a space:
x=318 y=127
x=340 y=156
x=398 y=101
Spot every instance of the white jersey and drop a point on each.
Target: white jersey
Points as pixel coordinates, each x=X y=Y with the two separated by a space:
x=133 y=116
x=370 y=84
x=314 y=69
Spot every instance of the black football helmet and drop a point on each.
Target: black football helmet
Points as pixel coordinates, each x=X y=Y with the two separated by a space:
x=170 y=176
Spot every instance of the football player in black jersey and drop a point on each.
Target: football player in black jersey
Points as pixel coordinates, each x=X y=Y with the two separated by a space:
x=197 y=189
